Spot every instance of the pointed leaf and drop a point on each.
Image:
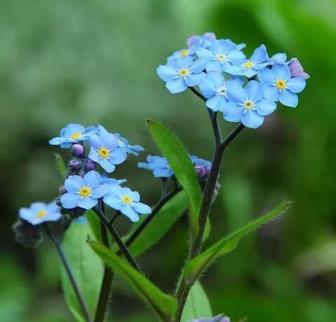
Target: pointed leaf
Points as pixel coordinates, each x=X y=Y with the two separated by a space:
x=199 y=264
x=86 y=267
x=197 y=304
x=163 y=304
x=160 y=224
x=172 y=148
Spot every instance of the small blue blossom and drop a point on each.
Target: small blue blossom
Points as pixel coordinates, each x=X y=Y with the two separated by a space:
x=279 y=58
x=250 y=67
x=127 y=202
x=158 y=165
x=40 y=212
x=279 y=85
x=179 y=74
x=122 y=142
x=214 y=87
x=221 y=55
x=83 y=192
x=105 y=150
x=248 y=105
x=72 y=133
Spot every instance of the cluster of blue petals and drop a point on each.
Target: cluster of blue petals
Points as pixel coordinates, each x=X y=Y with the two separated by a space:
x=244 y=89
x=97 y=152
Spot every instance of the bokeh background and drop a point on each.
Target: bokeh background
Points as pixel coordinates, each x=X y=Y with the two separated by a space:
x=94 y=62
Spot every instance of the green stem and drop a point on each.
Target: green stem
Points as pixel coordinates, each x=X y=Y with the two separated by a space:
x=69 y=273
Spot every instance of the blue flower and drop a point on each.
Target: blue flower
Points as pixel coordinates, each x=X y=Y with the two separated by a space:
x=122 y=142
x=72 y=133
x=40 y=212
x=248 y=105
x=83 y=192
x=221 y=55
x=179 y=74
x=279 y=58
x=127 y=202
x=158 y=165
x=214 y=88
x=250 y=67
x=279 y=85
x=202 y=167
x=105 y=151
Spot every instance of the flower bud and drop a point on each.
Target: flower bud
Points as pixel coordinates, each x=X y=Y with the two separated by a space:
x=77 y=150
x=90 y=165
x=75 y=164
x=28 y=235
x=202 y=172
x=297 y=69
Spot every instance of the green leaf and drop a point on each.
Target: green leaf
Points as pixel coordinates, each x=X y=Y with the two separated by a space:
x=197 y=304
x=178 y=158
x=60 y=165
x=163 y=304
x=199 y=264
x=86 y=266
x=160 y=224
x=94 y=223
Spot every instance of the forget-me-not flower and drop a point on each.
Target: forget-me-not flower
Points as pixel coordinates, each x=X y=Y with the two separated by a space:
x=72 y=133
x=201 y=41
x=158 y=165
x=127 y=202
x=221 y=55
x=105 y=150
x=248 y=105
x=279 y=85
x=83 y=192
x=250 y=67
x=179 y=74
x=40 y=212
x=215 y=88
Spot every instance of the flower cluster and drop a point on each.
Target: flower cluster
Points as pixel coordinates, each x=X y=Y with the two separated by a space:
x=95 y=153
x=161 y=168
x=244 y=89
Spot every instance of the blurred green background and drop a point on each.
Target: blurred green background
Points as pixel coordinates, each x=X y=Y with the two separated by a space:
x=94 y=62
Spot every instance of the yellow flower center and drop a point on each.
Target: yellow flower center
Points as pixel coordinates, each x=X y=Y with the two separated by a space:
x=281 y=84
x=85 y=191
x=104 y=152
x=248 y=64
x=126 y=199
x=248 y=104
x=41 y=213
x=221 y=91
x=184 y=72
x=184 y=52
x=221 y=57
x=75 y=135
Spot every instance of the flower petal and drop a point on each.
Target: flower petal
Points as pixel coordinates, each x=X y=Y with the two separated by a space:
x=288 y=98
x=252 y=120
x=254 y=90
x=87 y=203
x=73 y=183
x=176 y=86
x=141 y=208
x=166 y=73
x=69 y=200
x=296 y=84
x=129 y=212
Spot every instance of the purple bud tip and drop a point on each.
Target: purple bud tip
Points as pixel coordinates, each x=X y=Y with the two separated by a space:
x=77 y=150
x=202 y=172
x=75 y=164
x=297 y=69
x=90 y=165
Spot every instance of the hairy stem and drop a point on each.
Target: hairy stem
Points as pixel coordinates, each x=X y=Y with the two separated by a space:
x=69 y=273
x=122 y=247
